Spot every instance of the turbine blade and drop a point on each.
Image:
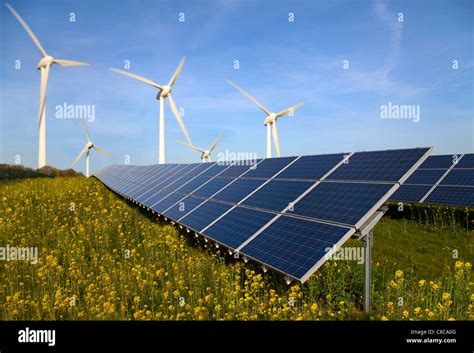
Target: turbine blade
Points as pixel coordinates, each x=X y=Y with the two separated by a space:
x=177 y=72
x=215 y=142
x=249 y=96
x=84 y=124
x=27 y=29
x=276 y=140
x=69 y=62
x=178 y=118
x=136 y=77
x=192 y=146
x=101 y=150
x=79 y=156
x=289 y=110
x=44 y=84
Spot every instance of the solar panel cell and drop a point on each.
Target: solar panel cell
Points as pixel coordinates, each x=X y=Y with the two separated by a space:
x=463 y=177
x=311 y=167
x=203 y=215
x=238 y=190
x=379 y=165
x=294 y=246
x=182 y=207
x=237 y=226
x=276 y=195
x=443 y=162
x=452 y=195
x=211 y=187
x=467 y=161
x=269 y=167
x=341 y=202
x=425 y=176
x=410 y=193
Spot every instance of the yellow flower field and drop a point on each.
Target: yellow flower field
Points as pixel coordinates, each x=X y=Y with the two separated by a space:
x=102 y=259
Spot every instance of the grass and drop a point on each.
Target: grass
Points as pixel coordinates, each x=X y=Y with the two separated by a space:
x=102 y=259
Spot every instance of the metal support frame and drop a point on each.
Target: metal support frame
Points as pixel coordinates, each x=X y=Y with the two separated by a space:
x=366 y=232
x=369 y=239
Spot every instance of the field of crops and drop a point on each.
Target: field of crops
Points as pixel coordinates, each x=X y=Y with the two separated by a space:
x=100 y=258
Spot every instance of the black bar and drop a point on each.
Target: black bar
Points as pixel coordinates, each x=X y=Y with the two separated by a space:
x=137 y=335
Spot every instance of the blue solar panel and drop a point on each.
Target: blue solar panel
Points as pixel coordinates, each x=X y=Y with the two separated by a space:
x=237 y=226
x=201 y=167
x=203 y=215
x=213 y=186
x=378 y=166
x=292 y=242
x=235 y=170
x=179 y=182
x=157 y=185
x=182 y=207
x=240 y=188
x=341 y=202
x=425 y=176
x=277 y=194
x=167 y=202
x=294 y=246
x=410 y=193
x=462 y=177
x=443 y=162
x=193 y=185
x=311 y=167
x=467 y=161
x=452 y=195
x=269 y=167
x=213 y=171
x=143 y=178
x=156 y=198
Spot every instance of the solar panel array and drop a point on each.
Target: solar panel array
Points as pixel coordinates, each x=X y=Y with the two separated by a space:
x=281 y=212
x=444 y=180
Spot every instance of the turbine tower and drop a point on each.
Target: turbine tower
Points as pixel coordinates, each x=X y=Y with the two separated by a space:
x=270 y=120
x=44 y=65
x=164 y=92
x=205 y=154
x=87 y=149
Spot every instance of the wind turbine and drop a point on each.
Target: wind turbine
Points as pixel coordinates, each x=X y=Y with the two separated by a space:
x=44 y=65
x=270 y=120
x=87 y=149
x=205 y=154
x=164 y=92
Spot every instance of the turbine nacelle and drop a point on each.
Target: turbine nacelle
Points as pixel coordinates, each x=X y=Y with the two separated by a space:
x=163 y=93
x=206 y=155
x=89 y=145
x=47 y=60
x=270 y=119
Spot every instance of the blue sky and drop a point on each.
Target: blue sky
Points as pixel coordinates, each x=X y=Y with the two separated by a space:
x=281 y=63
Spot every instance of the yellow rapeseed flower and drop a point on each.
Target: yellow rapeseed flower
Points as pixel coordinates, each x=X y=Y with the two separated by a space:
x=399 y=274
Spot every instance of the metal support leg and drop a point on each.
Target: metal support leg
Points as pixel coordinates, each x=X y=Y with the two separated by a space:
x=368 y=271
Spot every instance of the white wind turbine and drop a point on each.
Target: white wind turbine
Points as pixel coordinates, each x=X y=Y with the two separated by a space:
x=205 y=154
x=164 y=92
x=44 y=65
x=270 y=120
x=86 y=150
